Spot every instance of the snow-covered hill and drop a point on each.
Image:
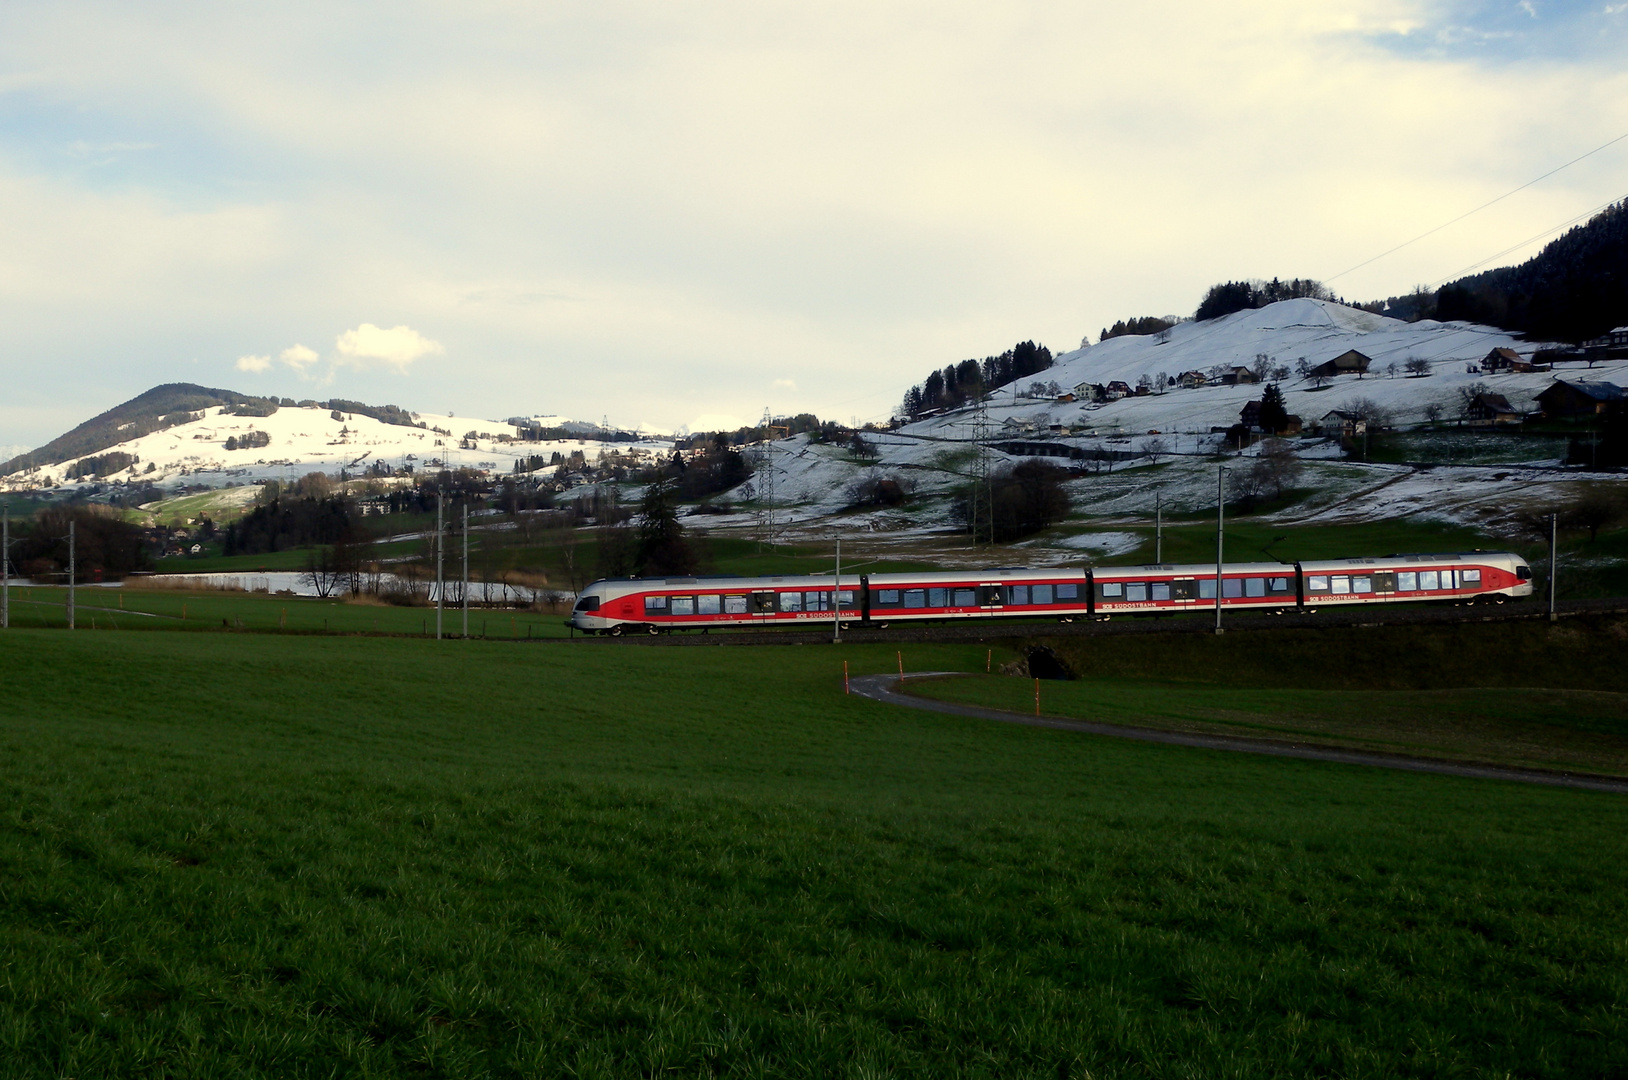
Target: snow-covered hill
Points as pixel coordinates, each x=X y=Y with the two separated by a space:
x=1286 y=332
x=301 y=440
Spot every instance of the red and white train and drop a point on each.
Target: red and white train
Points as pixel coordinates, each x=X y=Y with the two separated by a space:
x=660 y=605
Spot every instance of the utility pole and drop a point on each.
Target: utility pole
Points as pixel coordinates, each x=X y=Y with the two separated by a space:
x=465 y=596
x=72 y=573
x=440 y=580
x=1554 y=552
x=1220 y=515
x=836 y=599
x=5 y=569
x=1158 y=530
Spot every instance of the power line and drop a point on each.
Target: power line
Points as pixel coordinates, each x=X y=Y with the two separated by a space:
x=1546 y=232
x=1478 y=209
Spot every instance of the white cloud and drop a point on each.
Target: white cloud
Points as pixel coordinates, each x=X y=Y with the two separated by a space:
x=784 y=384
x=298 y=357
x=254 y=364
x=371 y=346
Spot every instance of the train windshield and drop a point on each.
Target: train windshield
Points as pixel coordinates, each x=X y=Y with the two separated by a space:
x=588 y=603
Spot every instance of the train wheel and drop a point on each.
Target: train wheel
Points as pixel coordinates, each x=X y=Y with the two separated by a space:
x=652 y=630
x=615 y=631
x=1066 y=619
x=881 y=626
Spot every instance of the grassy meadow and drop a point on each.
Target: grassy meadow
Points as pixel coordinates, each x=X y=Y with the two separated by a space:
x=281 y=855
x=1527 y=694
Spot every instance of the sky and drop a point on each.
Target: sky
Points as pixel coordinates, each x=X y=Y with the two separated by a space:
x=679 y=215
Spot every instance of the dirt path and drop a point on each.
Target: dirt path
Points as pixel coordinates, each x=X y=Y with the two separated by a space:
x=886 y=688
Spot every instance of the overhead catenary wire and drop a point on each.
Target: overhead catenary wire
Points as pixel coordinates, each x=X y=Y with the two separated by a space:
x=1478 y=209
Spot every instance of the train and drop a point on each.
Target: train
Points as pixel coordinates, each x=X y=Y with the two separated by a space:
x=663 y=605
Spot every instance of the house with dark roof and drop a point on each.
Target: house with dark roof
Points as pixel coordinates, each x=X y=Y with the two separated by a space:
x=1350 y=362
x=1488 y=409
x=1337 y=424
x=1500 y=359
x=1563 y=398
x=1236 y=376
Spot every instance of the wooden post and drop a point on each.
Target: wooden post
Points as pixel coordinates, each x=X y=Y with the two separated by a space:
x=845 y=689
x=1037 y=697
x=900 y=655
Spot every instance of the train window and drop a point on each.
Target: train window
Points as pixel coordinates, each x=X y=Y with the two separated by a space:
x=762 y=603
x=655 y=604
x=1255 y=586
x=1407 y=581
x=1136 y=592
x=965 y=598
x=938 y=597
x=1068 y=591
x=817 y=601
x=886 y=596
x=1020 y=594
x=1277 y=584
x=1472 y=577
x=845 y=598
x=735 y=605
x=991 y=595
x=915 y=598
x=1317 y=583
x=1523 y=573
x=682 y=605
x=1232 y=588
x=1110 y=590
x=791 y=601
x=1429 y=579
x=707 y=605
x=1206 y=588
x=1341 y=584
x=1160 y=590
x=1041 y=593
x=1447 y=579
x=588 y=603
x=1364 y=583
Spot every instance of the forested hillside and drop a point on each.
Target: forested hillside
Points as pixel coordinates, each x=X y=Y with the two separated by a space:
x=1573 y=290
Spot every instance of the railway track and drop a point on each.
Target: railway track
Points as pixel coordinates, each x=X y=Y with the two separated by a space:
x=1199 y=622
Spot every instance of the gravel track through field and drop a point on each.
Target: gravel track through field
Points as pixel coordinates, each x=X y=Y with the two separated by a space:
x=888 y=689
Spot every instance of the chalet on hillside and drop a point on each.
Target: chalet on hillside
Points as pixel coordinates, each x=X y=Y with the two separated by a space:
x=1337 y=424
x=1350 y=362
x=1191 y=380
x=1235 y=376
x=1500 y=359
x=1117 y=390
x=1250 y=417
x=1087 y=391
x=1563 y=398
x=1488 y=409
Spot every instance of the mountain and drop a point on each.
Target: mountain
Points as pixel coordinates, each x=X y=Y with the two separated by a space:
x=161 y=407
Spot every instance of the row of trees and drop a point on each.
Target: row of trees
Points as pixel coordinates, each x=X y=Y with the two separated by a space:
x=1231 y=296
x=957 y=384
x=106 y=547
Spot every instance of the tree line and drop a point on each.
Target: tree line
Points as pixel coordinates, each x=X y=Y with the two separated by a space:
x=956 y=384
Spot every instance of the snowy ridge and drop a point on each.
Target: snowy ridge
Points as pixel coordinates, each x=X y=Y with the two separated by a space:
x=303 y=440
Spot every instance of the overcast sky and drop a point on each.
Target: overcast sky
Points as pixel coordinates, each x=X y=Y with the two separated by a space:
x=678 y=214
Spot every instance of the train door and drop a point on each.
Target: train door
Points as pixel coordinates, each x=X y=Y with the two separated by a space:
x=763 y=605
x=1184 y=590
x=991 y=598
x=1385 y=584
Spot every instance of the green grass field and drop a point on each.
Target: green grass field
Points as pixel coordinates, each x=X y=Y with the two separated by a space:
x=1438 y=691
x=265 y=855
